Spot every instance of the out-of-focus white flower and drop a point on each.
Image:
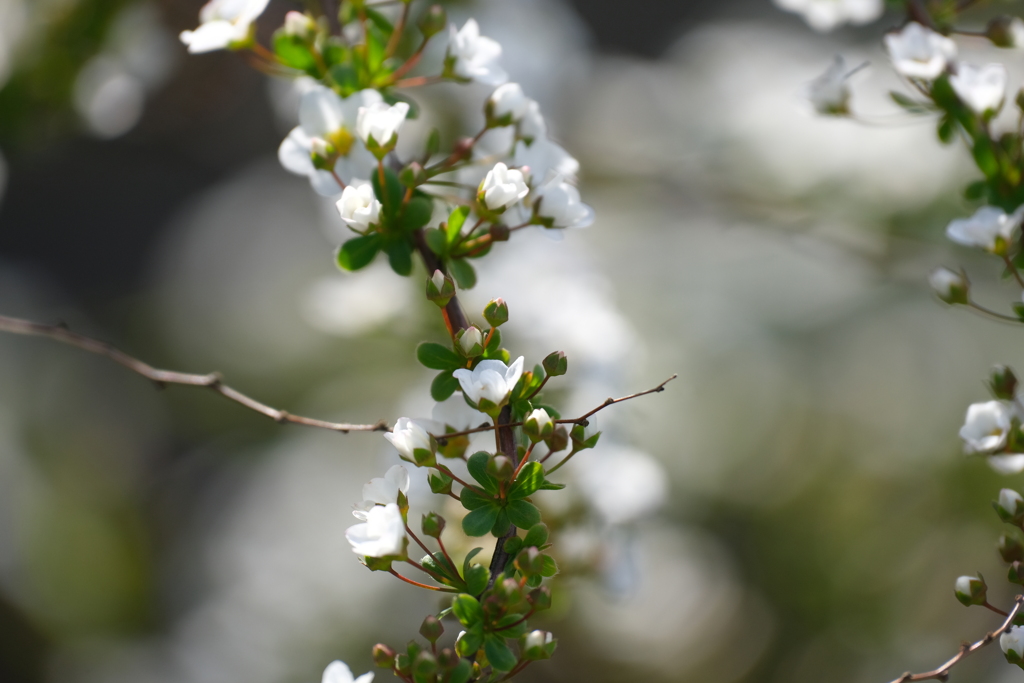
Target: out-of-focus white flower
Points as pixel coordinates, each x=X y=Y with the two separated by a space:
x=475 y=56
x=543 y=158
x=409 y=436
x=338 y=672
x=503 y=187
x=1010 y=463
x=457 y=414
x=359 y=207
x=381 y=535
x=980 y=88
x=623 y=484
x=490 y=382
x=986 y=426
x=222 y=23
x=381 y=121
x=298 y=24
x=919 y=52
x=509 y=100
x=326 y=123
x=558 y=203
x=829 y=93
x=1013 y=641
x=949 y=285
x=383 y=490
x=825 y=15
x=990 y=228
x=532 y=126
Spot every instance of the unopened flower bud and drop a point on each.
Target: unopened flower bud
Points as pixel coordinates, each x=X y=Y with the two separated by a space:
x=500 y=467
x=540 y=598
x=1006 y=31
x=424 y=667
x=321 y=152
x=509 y=592
x=403 y=664
x=471 y=342
x=971 y=590
x=1010 y=549
x=559 y=439
x=530 y=561
x=431 y=629
x=462 y=149
x=383 y=656
x=440 y=483
x=949 y=285
x=447 y=658
x=1012 y=645
x=440 y=288
x=496 y=313
x=506 y=105
x=556 y=364
x=538 y=425
x=1003 y=383
x=299 y=25
x=1016 y=572
x=433 y=21
x=433 y=524
x=538 y=645
x=1010 y=507
x=585 y=436
x=413 y=175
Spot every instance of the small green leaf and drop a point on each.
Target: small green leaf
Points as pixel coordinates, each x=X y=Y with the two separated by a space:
x=550 y=567
x=471 y=500
x=985 y=158
x=437 y=356
x=513 y=546
x=536 y=536
x=359 y=252
x=523 y=514
x=467 y=609
x=437 y=241
x=416 y=214
x=375 y=46
x=443 y=386
x=293 y=52
x=480 y=521
x=463 y=273
x=976 y=190
x=400 y=257
x=455 y=222
x=469 y=556
x=499 y=654
x=477 y=578
x=530 y=479
x=462 y=672
x=379 y=20
x=346 y=77
x=501 y=523
x=477 y=466
x=946 y=130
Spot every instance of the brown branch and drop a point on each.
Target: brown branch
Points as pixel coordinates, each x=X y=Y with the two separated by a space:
x=506 y=440
x=942 y=673
x=162 y=378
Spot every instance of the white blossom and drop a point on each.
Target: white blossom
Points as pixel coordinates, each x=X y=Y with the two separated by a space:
x=919 y=52
x=1009 y=463
x=1015 y=32
x=1013 y=641
x=338 y=672
x=221 y=23
x=559 y=202
x=470 y=338
x=1010 y=501
x=531 y=125
x=829 y=93
x=509 y=100
x=381 y=535
x=326 y=123
x=383 y=490
x=359 y=207
x=537 y=639
x=980 y=88
x=381 y=121
x=825 y=15
x=409 y=436
x=503 y=187
x=490 y=381
x=474 y=56
x=988 y=227
x=544 y=158
x=986 y=426
x=298 y=24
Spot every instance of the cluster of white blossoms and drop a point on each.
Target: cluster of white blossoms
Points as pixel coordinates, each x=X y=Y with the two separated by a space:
x=382 y=531
x=223 y=23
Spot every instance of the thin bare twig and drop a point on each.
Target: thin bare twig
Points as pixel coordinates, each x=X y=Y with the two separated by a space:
x=162 y=378
x=942 y=673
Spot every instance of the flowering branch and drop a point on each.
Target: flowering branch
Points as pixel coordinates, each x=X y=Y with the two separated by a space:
x=162 y=378
x=942 y=673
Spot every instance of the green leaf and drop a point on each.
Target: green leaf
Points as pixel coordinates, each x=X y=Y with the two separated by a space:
x=359 y=252
x=416 y=214
x=437 y=242
x=438 y=563
x=455 y=222
x=471 y=500
x=495 y=341
x=376 y=43
x=976 y=190
x=946 y=130
x=437 y=356
x=477 y=466
x=443 y=386
x=477 y=578
x=391 y=200
x=334 y=51
x=537 y=536
x=550 y=567
x=985 y=157
x=293 y=52
x=467 y=609
x=471 y=640
x=501 y=523
x=400 y=257
x=499 y=654
x=461 y=673
x=523 y=514
x=346 y=77
x=469 y=556
x=513 y=546
x=479 y=521
x=379 y=20
x=463 y=273
x=530 y=479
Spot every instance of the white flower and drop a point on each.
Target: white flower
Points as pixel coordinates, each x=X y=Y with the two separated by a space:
x=990 y=228
x=947 y=284
x=825 y=15
x=470 y=338
x=298 y=24
x=1013 y=641
x=490 y=382
x=987 y=426
x=381 y=122
x=1010 y=463
x=457 y=414
x=559 y=202
x=531 y=124
x=383 y=490
x=381 y=535
x=1015 y=32
x=338 y=672
x=408 y=436
x=623 y=484
x=358 y=207
x=982 y=89
x=326 y=124
x=919 y=52
x=503 y=187
x=221 y=23
x=475 y=56
x=543 y=158
x=509 y=100
x=829 y=92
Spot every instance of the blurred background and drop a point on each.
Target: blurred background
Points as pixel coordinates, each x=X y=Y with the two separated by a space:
x=796 y=509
